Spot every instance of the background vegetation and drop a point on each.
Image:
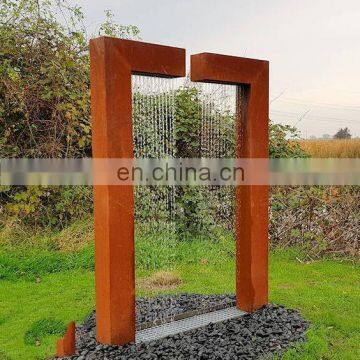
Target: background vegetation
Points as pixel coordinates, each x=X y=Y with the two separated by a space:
x=44 y=112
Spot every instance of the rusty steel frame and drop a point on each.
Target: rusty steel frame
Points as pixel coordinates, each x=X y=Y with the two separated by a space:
x=113 y=61
x=252 y=121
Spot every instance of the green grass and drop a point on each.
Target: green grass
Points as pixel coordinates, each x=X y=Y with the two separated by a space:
x=42 y=328
x=40 y=290
x=34 y=263
x=62 y=297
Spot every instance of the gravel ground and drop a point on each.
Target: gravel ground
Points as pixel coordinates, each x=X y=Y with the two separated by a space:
x=269 y=330
x=167 y=307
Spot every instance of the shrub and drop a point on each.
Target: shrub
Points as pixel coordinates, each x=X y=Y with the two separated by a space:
x=44 y=79
x=53 y=206
x=319 y=219
x=44 y=102
x=281 y=142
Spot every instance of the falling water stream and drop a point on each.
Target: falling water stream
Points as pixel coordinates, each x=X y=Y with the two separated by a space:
x=155 y=108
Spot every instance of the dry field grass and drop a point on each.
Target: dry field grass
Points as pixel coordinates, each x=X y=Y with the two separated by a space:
x=335 y=148
x=160 y=281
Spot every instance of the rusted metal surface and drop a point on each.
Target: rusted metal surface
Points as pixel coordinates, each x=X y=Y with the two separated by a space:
x=112 y=63
x=252 y=78
x=66 y=345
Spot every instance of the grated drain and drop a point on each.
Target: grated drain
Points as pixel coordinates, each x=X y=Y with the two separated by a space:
x=190 y=323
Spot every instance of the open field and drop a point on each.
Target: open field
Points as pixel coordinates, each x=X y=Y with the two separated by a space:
x=42 y=288
x=332 y=148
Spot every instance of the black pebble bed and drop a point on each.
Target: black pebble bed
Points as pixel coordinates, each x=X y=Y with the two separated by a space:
x=269 y=330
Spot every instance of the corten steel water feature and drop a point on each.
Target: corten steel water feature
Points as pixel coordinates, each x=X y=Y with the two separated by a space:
x=252 y=80
x=112 y=63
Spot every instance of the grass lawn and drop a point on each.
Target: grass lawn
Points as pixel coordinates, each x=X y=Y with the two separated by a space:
x=41 y=289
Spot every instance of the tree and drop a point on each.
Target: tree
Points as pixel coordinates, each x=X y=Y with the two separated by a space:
x=343 y=133
x=44 y=78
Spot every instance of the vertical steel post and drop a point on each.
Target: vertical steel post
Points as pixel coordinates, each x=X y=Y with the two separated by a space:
x=112 y=63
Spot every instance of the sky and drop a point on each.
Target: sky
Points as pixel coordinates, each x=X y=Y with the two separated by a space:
x=313 y=47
